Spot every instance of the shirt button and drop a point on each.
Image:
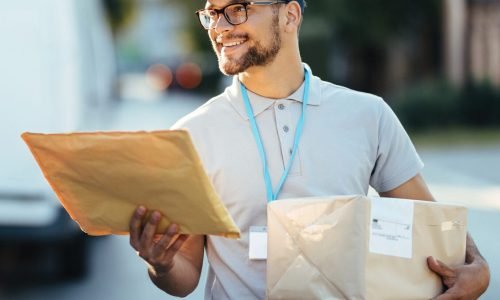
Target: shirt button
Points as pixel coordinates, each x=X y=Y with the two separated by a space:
x=281 y=106
x=291 y=151
x=285 y=128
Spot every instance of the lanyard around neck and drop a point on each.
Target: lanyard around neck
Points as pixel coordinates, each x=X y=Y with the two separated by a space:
x=271 y=194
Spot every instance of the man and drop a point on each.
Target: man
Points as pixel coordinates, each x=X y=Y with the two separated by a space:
x=350 y=140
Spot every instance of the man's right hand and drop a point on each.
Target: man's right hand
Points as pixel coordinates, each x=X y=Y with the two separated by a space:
x=157 y=250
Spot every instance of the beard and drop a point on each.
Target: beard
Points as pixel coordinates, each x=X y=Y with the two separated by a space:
x=256 y=55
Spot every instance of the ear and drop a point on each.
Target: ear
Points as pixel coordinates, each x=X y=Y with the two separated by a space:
x=293 y=16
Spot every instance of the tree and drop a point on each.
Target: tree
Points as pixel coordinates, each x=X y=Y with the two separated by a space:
x=119 y=13
x=360 y=35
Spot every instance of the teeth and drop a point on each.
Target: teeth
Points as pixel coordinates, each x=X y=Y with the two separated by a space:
x=232 y=44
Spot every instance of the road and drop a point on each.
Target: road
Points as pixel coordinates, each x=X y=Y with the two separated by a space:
x=465 y=175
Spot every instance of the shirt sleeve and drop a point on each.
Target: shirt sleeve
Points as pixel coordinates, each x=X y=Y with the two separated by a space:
x=397 y=160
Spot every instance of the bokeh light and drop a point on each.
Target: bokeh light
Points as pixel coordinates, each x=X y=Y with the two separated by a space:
x=159 y=77
x=188 y=75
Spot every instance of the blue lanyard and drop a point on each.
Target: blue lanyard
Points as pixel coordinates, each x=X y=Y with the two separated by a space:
x=273 y=195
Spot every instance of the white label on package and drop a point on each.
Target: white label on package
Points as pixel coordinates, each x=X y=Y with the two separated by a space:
x=257 y=244
x=391 y=227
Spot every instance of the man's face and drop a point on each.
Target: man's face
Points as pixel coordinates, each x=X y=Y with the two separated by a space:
x=253 y=43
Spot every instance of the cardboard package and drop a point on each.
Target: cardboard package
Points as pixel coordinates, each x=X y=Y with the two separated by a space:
x=355 y=247
x=102 y=177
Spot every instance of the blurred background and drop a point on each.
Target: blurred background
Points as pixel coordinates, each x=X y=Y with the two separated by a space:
x=69 y=65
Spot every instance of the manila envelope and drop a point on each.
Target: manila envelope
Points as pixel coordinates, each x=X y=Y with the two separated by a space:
x=102 y=177
x=326 y=248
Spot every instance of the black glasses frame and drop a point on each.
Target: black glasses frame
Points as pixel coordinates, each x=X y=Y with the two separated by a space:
x=223 y=11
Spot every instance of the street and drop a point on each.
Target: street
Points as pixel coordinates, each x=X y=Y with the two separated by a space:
x=465 y=175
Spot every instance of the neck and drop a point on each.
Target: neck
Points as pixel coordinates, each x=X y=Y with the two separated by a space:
x=276 y=80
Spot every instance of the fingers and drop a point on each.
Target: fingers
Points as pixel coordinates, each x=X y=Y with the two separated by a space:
x=149 y=231
x=159 y=254
x=440 y=268
x=135 y=226
x=162 y=245
x=172 y=250
x=447 y=274
x=445 y=297
x=452 y=294
x=164 y=262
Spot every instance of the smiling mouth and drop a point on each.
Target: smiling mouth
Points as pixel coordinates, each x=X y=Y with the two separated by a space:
x=232 y=44
x=228 y=47
x=229 y=42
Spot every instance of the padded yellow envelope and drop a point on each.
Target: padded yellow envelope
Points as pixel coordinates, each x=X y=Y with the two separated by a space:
x=101 y=178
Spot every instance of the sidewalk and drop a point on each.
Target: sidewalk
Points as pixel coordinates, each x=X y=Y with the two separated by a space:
x=467 y=175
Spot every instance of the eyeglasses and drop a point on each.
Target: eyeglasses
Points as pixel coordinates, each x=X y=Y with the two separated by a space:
x=235 y=13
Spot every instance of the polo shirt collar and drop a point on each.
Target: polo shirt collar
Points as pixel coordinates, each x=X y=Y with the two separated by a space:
x=260 y=104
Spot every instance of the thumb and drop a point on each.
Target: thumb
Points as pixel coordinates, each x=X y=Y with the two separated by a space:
x=440 y=268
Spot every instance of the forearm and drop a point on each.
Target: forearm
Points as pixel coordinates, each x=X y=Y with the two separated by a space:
x=180 y=281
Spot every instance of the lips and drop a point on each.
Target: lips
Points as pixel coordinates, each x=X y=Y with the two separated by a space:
x=228 y=47
x=230 y=43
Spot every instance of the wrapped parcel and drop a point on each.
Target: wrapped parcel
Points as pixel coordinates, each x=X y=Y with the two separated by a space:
x=102 y=177
x=354 y=247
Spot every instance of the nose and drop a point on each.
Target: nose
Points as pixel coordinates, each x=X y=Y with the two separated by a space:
x=222 y=24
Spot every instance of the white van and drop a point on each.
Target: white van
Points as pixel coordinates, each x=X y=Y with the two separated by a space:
x=57 y=75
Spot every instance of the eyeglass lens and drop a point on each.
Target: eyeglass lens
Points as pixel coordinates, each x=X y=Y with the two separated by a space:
x=235 y=14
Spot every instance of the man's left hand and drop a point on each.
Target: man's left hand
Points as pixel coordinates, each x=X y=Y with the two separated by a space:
x=467 y=281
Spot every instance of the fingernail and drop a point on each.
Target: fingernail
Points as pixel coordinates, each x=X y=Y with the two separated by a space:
x=173 y=229
x=156 y=216
x=141 y=210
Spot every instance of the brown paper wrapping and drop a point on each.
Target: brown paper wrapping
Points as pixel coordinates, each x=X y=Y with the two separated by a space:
x=102 y=177
x=318 y=248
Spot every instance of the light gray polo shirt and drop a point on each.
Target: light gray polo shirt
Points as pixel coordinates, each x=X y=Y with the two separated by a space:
x=350 y=140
